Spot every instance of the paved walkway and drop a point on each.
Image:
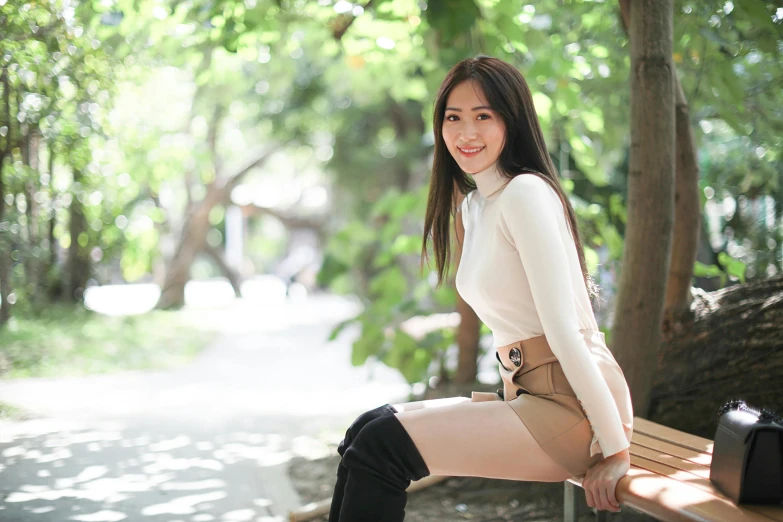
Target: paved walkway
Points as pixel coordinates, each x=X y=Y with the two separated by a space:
x=207 y=442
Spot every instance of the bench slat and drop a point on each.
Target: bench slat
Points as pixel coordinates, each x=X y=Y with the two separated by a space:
x=690 y=448
x=673 y=473
x=672 y=436
x=669 y=460
x=704 y=485
x=669 y=480
x=704 y=459
x=675 y=501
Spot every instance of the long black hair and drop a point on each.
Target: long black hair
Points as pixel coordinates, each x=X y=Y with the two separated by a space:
x=524 y=151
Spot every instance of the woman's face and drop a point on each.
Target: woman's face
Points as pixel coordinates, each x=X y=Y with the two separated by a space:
x=473 y=132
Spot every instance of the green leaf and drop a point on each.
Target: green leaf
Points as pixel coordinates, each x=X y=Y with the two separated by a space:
x=390 y=285
x=337 y=330
x=591 y=259
x=733 y=266
x=714 y=37
x=452 y=17
x=406 y=245
x=733 y=122
x=702 y=270
x=369 y=343
x=402 y=348
x=614 y=241
x=759 y=15
x=446 y=296
x=732 y=86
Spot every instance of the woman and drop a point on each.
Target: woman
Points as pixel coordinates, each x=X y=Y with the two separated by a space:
x=522 y=269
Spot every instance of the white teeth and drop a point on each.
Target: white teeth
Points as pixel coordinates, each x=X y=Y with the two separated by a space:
x=470 y=151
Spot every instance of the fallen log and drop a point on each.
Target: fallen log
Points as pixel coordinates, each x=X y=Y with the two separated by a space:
x=728 y=346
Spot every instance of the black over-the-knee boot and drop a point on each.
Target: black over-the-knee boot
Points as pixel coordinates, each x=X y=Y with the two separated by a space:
x=342 y=471
x=382 y=460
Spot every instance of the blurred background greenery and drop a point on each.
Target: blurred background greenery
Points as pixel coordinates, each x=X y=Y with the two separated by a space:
x=284 y=146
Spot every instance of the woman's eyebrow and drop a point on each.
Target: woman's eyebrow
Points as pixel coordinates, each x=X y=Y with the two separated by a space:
x=480 y=107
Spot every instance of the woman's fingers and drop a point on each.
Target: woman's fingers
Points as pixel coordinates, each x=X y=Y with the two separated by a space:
x=600 y=483
x=605 y=499
x=600 y=495
x=589 y=497
x=613 y=498
x=608 y=500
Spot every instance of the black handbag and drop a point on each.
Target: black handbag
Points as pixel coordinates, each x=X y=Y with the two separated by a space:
x=747 y=458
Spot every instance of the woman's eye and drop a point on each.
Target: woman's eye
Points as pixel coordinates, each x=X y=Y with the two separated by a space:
x=450 y=116
x=487 y=115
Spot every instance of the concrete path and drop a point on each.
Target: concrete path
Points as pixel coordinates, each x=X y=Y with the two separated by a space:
x=207 y=442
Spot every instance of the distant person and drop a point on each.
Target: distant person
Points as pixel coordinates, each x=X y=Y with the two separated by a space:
x=523 y=271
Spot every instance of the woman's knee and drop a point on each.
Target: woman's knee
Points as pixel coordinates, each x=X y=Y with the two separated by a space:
x=360 y=422
x=383 y=447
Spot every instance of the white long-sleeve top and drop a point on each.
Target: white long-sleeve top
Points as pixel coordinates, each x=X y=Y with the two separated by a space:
x=520 y=272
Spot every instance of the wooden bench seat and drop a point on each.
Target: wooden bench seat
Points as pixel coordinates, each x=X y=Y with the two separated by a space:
x=670 y=480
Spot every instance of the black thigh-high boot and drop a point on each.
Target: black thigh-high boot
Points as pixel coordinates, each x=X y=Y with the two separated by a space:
x=382 y=460
x=342 y=471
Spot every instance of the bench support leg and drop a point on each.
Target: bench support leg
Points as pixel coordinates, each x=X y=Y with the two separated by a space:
x=570 y=503
x=573 y=497
x=603 y=516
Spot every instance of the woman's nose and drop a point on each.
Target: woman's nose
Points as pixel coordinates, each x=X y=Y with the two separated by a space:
x=468 y=132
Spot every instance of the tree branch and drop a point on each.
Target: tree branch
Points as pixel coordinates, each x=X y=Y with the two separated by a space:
x=231 y=274
x=343 y=21
x=234 y=180
x=212 y=134
x=289 y=221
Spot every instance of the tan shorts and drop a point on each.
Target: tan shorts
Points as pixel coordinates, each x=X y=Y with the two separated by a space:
x=536 y=388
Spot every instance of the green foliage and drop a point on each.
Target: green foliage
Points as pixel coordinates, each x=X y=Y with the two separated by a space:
x=57 y=93
x=733 y=267
x=729 y=268
x=702 y=270
x=71 y=341
x=452 y=18
x=143 y=103
x=576 y=62
x=11 y=412
x=387 y=258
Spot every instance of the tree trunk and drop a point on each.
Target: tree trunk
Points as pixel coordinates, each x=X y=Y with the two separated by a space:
x=5 y=268
x=468 y=342
x=729 y=347
x=640 y=299
x=78 y=262
x=687 y=211
x=687 y=203
x=469 y=329
x=32 y=260
x=193 y=237
x=54 y=287
x=232 y=275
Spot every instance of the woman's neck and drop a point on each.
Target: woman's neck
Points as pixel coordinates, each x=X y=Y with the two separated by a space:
x=489 y=181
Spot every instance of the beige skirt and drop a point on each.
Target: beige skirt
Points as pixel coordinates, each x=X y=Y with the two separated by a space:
x=536 y=388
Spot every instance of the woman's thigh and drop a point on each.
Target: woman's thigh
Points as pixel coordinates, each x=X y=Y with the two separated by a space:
x=477 y=439
x=431 y=403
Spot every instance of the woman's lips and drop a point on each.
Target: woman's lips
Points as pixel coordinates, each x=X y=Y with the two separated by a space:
x=473 y=151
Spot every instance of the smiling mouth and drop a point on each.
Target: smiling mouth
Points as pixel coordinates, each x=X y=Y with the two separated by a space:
x=472 y=151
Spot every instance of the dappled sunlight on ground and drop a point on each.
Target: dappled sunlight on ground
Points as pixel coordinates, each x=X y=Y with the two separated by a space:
x=207 y=442
x=59 y=470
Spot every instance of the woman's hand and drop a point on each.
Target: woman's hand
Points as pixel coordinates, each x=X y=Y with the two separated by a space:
x=601 y=480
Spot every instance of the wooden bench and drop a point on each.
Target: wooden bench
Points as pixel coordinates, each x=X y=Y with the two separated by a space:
x=670 y=480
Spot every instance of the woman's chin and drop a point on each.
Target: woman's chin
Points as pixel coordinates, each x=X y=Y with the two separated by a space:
x=473 y=169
